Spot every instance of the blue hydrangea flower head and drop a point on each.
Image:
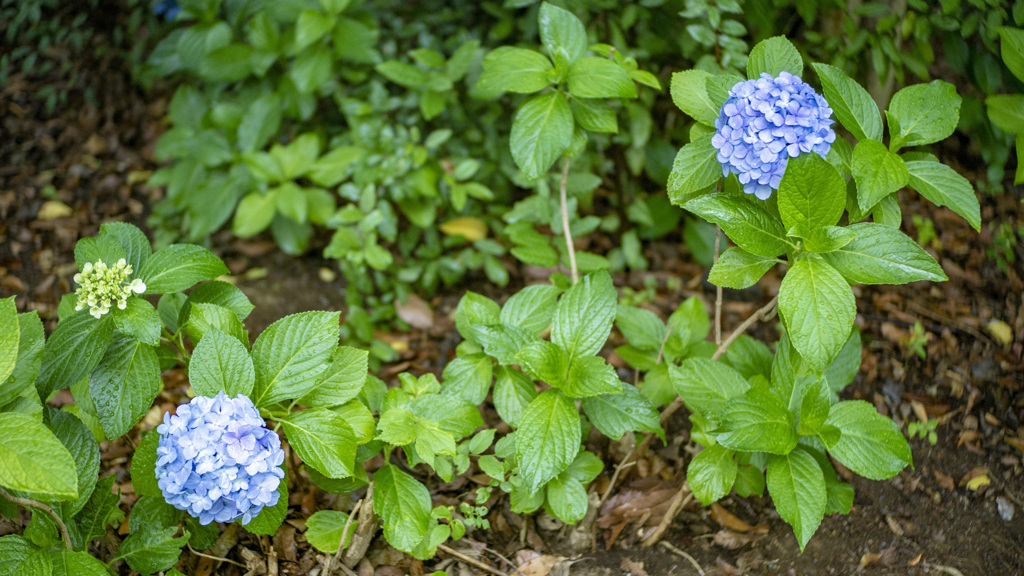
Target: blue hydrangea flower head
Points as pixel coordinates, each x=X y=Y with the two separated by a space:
x=765 y=122
x=169 y=8
x=217 y=461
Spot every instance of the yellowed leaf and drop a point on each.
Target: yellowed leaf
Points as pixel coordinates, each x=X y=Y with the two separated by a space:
x=1001 y=331
x=471 y=228
x=53 y=209
x=977 y=482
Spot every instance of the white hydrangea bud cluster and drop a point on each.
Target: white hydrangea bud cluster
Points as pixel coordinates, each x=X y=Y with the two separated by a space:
x=100 y=285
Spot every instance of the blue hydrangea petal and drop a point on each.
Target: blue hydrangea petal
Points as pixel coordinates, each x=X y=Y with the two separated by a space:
x=217 y=461
x=765 y=122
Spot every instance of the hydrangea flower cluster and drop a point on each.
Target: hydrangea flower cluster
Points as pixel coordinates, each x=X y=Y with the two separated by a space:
x=217 y=461
x=99 y=285
x=765 y=122
x=169 y=8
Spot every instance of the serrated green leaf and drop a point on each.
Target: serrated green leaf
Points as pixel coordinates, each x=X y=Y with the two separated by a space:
x=475 y=309
x=562 y=34
x=756 y=421
x=712 y=473
x=883 y=255
x=642 y=328
x=690 y=94
x=585 y=315
x=99 y=511
x=513 y=392
x=772 y=56
x=877 y=171
x=453 y=414
x=593 y=77
x=706 y=386
x=750 y=357
x=541 y=130
x=143 y=465
x=511 y=69
x=180 y=266
x=151 y=550
x=325 y=530
x=626 y=411
x=10 y=336
x=812 y=193
x=566 y=499
x=548 y=438
x=852 y=104
x=403 y=504
x=797 y=487
x=74 y=348
x=29 y=350
x=595 y=115
x=870 y=444
x=323 y=439
x=736 y=268
x=531 y=308
x=221 y=363
x=342 y=380
x=78 y=440
x=124 y=384
x=926 y=112
x=132 y=240
x=292 y=354
x=817 y=306
x=468 y=377
x=745 y=221
x=944 y=187
x=749 y=481
x=1013 y=49
x=588 y=376
x=33 y=460
x=69 y=563
x=139 y=320
x=695 y=169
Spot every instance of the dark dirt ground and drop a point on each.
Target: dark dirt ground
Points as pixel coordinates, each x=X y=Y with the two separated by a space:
x=61 y=176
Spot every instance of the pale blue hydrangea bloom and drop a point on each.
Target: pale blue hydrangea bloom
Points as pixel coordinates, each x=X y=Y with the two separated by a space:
x=217 y=461
x=765 y=122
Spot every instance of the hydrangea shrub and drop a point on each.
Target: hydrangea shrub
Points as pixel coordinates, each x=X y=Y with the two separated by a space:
x=825 y=207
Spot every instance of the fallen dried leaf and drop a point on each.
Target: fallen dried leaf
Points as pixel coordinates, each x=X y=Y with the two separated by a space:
x=916 y=560
x=53 y=209
x=632 y=568
x=416 y=312
x=1001 y=331
x=727 y=519
x=539 y=566
x=977 y=482
x=945 y=481
x=732 y=540
x=975 y=473
x=726 y=569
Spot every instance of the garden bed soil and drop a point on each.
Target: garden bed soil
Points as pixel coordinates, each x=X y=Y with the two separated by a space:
x=959 y=510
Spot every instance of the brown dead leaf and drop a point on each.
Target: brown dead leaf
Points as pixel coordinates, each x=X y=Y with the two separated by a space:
x=732 y=540
x=727 y=519
x=416 y=312
x=539 y=566
x=632 y=568
x=644 y=497
x=726 y=569
x=894 y=525
x=945 y=481
x=975 y=473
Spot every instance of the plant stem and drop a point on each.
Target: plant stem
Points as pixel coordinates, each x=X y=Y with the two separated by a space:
x=565 y=220
x=763 y=313
x=36 y=504
x=718 y=291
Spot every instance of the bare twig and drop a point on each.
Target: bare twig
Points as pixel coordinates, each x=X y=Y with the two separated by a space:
x=565 y=220
x=28 y=502
x=682 y=498
x=763 y=313
x=217 y=558
x=366 y=527
x=683 y=554
x=471 y=561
